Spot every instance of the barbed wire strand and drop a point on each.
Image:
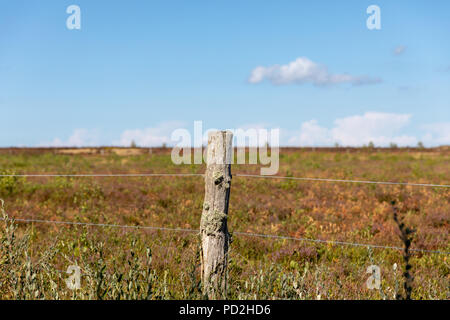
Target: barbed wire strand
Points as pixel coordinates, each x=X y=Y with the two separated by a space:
x=105 y=175
x=347 y=181
x=106 y=225
x=343 y=243
x=236 y=175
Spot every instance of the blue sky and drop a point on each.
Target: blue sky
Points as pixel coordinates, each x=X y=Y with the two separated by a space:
x=137 y=70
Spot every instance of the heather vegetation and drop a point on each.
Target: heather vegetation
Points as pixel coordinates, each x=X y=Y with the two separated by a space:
x=125 y=263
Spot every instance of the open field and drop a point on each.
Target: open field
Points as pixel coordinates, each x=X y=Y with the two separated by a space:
x=158 y=264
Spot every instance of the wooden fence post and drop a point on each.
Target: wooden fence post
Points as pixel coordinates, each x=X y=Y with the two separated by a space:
x=213 y=226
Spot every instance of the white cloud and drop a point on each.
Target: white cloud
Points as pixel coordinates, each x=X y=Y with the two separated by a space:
x=380 y=128
x=376 y=127
x=357 y=130
x=149 y=137
x=436 y=133
x=303 y=70
x=79 y=138
x=311 y=134
x=399 y=50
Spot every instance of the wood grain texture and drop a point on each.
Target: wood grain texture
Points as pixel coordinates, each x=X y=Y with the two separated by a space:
x=213 y=227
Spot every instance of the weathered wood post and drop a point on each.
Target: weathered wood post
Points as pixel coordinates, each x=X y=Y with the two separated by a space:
x=213 y=226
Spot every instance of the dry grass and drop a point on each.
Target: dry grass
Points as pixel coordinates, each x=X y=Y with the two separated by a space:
x=259 y=268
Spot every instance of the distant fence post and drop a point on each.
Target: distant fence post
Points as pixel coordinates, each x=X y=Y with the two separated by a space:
x=213 y=226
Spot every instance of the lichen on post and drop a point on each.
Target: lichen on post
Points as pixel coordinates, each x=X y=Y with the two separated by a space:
x=213 y=226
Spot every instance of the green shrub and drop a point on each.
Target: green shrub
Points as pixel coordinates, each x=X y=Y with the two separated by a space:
x=8 y=182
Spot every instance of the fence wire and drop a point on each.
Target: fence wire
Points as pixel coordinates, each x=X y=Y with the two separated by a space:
x=347 y=181
x=332 y=242
x=247 y=234
x=131 y=175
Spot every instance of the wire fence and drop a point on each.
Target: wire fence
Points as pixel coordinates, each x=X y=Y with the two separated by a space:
x=239 y=233
x=247 y=234
x=235 y=175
